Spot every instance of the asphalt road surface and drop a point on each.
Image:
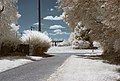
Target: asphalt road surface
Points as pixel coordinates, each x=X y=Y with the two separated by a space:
x=35 y=71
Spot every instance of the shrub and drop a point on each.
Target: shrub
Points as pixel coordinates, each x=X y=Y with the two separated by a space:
x=37 y=40
x=64 y=43
x=80 y=44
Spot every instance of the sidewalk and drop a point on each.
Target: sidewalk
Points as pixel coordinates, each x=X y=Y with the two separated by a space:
x=80 y=69
x=8 y=63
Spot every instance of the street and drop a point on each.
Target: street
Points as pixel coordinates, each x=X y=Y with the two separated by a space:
x=41 y=70
x=35 y=71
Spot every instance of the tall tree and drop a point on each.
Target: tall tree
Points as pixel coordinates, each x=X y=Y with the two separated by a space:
x=8 y=22
x=100 y=16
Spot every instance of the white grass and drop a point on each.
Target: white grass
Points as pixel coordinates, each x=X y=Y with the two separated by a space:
x=35 y=58
x=6 y=64
x=80 y=69
x=69 y=49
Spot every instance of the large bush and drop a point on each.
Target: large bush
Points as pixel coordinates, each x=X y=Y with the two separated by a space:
x=80 y=44
x=79 y=38
x=37 y=40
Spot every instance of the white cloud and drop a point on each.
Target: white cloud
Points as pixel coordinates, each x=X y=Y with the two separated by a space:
x=51 y=9
x=56 y=27
x=52 y=34
x=36 y=24
x=58 y=31
x=63 y=33
x=56 y=6
x=54 y=18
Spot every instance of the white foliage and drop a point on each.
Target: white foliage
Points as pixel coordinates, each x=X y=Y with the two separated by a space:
x=18 y=15
x=36 y=38
x=15 y=27
x=77 y=31
x=1 y=6
x=8 y=21
x=71 y=38
x=117 y=45
x=96 y=44
x=64 y=43
x=76 y=40
x=80 y=44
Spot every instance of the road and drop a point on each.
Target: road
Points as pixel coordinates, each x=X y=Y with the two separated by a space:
x=41 y=70
x=35 y=71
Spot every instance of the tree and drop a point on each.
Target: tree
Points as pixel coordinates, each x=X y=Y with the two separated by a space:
x=81 y=38
x=100 y=16
x=8 y=23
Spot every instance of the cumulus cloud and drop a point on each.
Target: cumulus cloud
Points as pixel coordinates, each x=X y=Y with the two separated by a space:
x=36 y=24
x=56 y=27
x=56 y=6
x=51 y=9
x=52 y=34
x=62 y=33
x=59 y=31
x=54 y=18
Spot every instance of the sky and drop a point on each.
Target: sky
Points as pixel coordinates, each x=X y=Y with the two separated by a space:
x=51 y=18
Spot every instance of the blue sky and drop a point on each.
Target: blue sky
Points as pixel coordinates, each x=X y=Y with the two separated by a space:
x=52 y=21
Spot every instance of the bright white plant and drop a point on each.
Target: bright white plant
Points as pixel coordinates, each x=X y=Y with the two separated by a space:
x=64 y=43
x=71 y=38
x=36 y=39
x=102 y=17
x=8 y=23
x=78 y=37
x=80 y=44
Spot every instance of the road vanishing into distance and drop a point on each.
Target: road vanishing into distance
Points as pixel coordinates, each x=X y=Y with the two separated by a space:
x=41 y=70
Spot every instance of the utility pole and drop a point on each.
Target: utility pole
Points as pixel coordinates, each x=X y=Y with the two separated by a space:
x=39 y=16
